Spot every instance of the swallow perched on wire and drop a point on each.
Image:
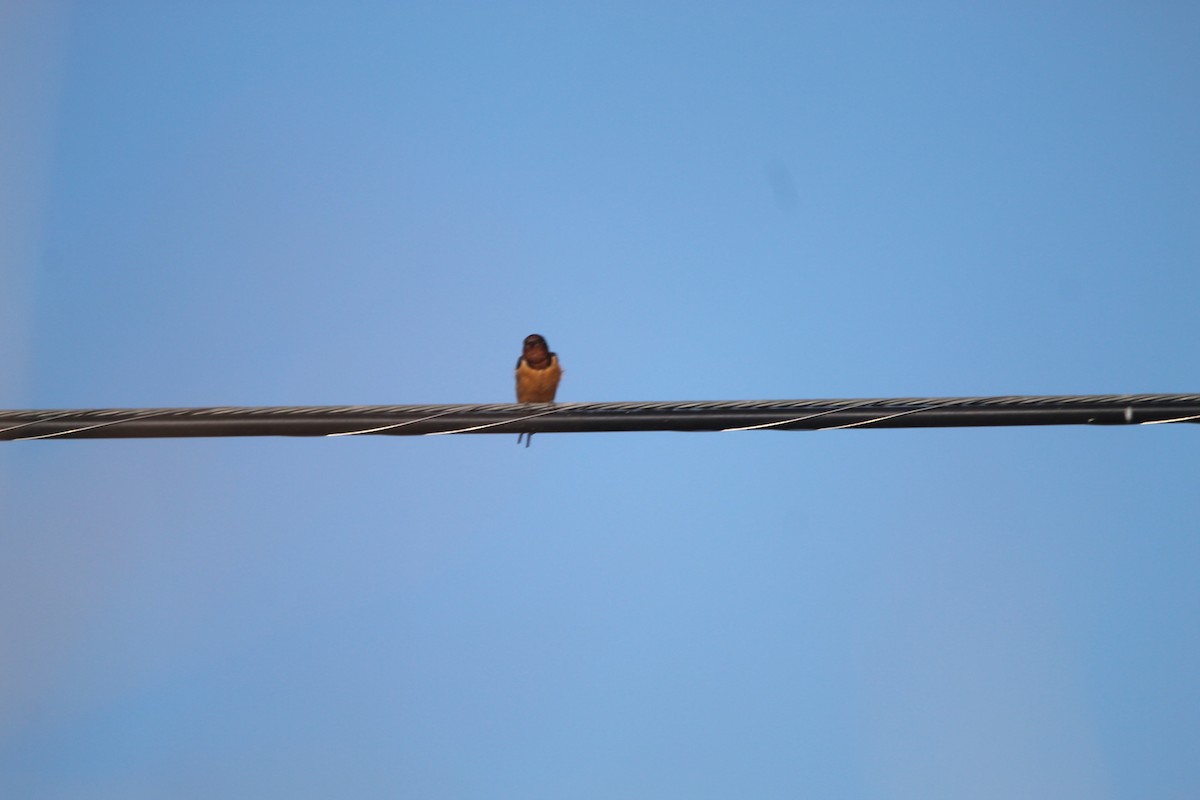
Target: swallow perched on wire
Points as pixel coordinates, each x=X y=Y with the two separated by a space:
x=538 y=374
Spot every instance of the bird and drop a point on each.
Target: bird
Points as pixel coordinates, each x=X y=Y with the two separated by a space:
x=538 y=373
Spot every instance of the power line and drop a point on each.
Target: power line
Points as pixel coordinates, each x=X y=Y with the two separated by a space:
x=511 y=418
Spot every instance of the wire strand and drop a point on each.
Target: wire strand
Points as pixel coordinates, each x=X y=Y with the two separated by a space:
x=685 y=416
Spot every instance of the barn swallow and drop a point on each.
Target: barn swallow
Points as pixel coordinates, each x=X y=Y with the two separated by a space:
x=538 y=373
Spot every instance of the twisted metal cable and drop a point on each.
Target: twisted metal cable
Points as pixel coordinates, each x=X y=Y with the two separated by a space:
x=510 y=418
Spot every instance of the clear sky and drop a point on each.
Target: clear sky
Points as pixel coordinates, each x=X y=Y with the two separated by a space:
x=295 y=203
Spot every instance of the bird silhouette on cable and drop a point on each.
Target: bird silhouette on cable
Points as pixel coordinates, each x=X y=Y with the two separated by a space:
x=538 y=373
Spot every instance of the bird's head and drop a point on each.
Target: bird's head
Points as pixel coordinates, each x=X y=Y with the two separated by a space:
x=536 y=351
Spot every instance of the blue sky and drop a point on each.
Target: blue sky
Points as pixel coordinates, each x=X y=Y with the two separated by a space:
x=293 y=204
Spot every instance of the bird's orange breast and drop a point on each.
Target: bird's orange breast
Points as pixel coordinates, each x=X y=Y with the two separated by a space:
x=537 y=385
